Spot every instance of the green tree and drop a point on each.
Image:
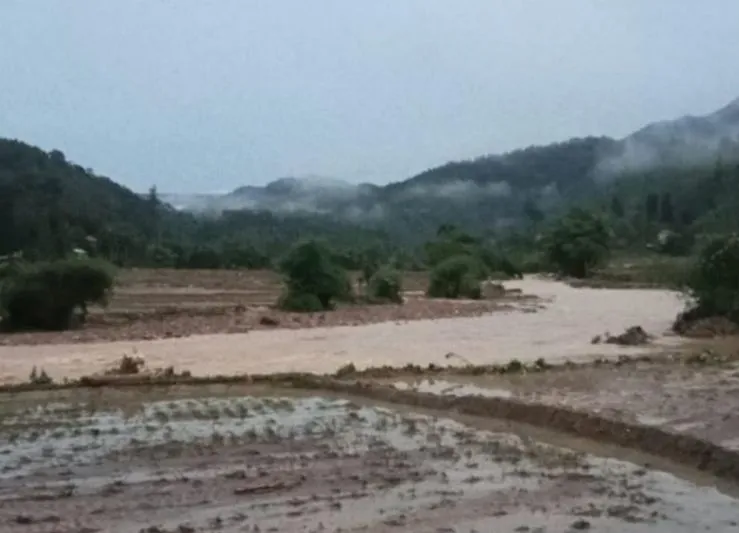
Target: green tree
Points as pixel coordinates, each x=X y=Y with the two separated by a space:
x=714 y=281
x=578 y=242
x=46 y=295
x=313 y=279
x=386 y=285
x=457 y=277
x=666 y=211
x=617 y=207
x=651 y=207
x=533 y=212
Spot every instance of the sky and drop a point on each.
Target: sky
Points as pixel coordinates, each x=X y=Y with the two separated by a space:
x=207 y=95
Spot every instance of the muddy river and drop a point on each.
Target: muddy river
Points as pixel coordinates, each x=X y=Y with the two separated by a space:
x=563 y=329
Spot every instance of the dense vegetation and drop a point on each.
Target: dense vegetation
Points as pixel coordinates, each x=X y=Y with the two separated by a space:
x=49 y=206
x=577 y=243
x=314 y=281
x=52 y=295
x=714 y=280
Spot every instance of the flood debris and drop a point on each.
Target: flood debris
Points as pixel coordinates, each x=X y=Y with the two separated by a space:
x=633 y=336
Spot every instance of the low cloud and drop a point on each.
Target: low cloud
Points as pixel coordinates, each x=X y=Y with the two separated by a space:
x=460 y=189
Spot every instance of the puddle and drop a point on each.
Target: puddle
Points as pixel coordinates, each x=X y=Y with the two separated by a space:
x=448 y=388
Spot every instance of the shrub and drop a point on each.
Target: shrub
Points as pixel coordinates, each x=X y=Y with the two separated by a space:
x=386 y=285
x=577 y=243
x=312 y=275
x=457 y=277
x=714 y=281
x=46 y=295
x=499 y=263
x=300 y=301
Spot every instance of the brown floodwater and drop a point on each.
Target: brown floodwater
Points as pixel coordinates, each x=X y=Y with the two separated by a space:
x=563 y=329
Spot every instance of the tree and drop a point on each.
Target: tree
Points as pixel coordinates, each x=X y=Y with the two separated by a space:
x=457 y=277
x=46 y=295
x=652 y=207
x=714 y=281
x=532 y=212
x=386 y=285
x=577 y=242
x=617 y=207
x=450 y=242
x=313 y=280
x=666 y=212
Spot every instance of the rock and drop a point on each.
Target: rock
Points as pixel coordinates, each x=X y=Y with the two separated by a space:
x=493 y=290
x=580 y=525
x=633 y=336
x=269 y=321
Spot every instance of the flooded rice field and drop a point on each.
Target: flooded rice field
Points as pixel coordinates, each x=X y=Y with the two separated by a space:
x=701 y=400
x=559 y=326
x=234 y=459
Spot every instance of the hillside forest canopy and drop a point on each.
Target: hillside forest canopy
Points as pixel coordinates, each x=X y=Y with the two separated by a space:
x=50 y=206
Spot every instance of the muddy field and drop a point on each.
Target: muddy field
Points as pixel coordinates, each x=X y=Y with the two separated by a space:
x=631 y=438
x=161 y=304
x=240 y=458
x=693 y=396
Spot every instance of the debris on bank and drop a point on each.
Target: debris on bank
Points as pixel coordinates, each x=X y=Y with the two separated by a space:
x=633 y=336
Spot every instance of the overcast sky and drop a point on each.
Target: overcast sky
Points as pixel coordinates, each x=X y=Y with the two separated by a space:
x=198 y=95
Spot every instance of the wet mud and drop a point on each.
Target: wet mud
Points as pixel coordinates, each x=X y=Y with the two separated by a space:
x=250 y=459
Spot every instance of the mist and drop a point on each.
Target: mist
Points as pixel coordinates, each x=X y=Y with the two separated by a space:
x=687 y=141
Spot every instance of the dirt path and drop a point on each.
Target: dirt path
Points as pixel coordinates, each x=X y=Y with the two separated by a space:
x=222 y=459
x=562 y=330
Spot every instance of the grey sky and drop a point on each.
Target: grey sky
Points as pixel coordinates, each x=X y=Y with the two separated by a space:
x=198 y=95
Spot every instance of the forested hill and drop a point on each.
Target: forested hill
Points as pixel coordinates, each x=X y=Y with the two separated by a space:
x=50 y=206
x=497 y=191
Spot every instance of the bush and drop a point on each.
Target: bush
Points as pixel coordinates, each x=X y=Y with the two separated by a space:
x=46 y=295
x=311 y=274
x=675 y=244
x=501 y=264
x=714 y=281
x=457 y=277
x=300 y=301
x=577 y=243
x=386 y=285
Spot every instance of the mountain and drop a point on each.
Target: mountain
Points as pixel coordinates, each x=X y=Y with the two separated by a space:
x=49 y=206
x=492 y=191
x=686 y=141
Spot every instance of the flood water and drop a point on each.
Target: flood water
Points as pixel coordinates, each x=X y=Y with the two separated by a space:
x=562 y=330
